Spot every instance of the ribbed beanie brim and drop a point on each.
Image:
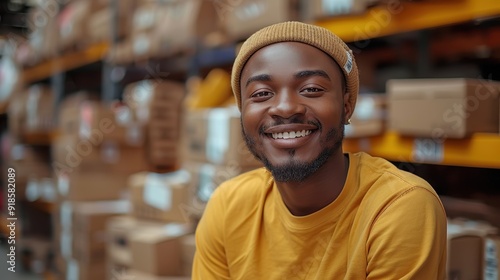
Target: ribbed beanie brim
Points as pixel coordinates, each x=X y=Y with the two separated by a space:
x=293 y=31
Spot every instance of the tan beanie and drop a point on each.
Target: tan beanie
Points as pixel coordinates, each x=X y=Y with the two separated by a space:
x=293 y=31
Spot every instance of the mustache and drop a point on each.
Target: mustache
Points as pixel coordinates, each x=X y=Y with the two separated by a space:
x=292 y=120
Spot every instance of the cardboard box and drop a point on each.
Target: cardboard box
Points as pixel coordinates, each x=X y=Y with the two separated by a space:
x=72 y=153
x=80 y=227
x=188 y=244
x=214 y=136
x=472 y=249
x=31 y=111
x=145 y=96
x=89 y=227
x=242 y=18
x=369 y=116
x=119 y=231
x=443 y=108
x=39 y=109
x=88 y=186
x=204 y=179
x=96 y=123
x=158 y=251
x=160 y=197
x=186 y=23
x=85 y=271
x=71 y=23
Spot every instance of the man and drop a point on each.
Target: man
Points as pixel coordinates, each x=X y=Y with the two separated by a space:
x=314 y=212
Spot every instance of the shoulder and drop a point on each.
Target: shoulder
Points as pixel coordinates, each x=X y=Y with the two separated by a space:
x=383 y=181
x=244 y=190
x=384 y=172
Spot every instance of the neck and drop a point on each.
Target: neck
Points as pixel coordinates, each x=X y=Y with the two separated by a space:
x=319 y=189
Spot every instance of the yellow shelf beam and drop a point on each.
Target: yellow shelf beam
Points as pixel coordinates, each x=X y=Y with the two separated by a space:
x=399 y=16
x=480 y=150
x=65 y=62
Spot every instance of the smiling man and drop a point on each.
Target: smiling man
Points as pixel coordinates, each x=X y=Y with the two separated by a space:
x=313 y=212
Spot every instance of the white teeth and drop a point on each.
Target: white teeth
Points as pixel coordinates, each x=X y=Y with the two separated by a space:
x=291 y=134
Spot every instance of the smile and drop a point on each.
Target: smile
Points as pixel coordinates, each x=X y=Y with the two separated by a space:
x=291 y=134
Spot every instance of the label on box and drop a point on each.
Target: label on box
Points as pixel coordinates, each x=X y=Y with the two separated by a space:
x=134 y=134
x=65 y=213
x=337 y=7
x=66 y=241
x=491 y=255
x=206 y=182
x=141 y=44
x=110 y=152
x=72 y=270
x=32 y=190
x=63 y=184
x=251 y=10
x=144 y=18
x=157 y=193
x=217 y=135
x=428 y=150
x=17 y=152
x=175 y=229
x=32 y=105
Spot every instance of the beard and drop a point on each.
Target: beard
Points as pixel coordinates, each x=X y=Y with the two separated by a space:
x=295 y=170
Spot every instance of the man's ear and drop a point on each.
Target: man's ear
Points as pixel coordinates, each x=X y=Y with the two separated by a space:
x=348 y=107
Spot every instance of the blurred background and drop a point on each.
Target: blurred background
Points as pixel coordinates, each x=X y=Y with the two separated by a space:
x=117 y=122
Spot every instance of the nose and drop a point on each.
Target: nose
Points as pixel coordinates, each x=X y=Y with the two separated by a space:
x=287 y=104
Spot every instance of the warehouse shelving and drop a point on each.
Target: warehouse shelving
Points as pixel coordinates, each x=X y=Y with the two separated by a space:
x=399 y=16
x=66 y=62
x=479 y=150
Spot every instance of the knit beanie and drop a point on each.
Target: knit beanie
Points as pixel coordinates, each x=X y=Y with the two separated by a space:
x=293 y=31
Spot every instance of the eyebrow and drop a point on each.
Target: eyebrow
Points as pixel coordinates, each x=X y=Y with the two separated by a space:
x=258 y=78
x=310 y=73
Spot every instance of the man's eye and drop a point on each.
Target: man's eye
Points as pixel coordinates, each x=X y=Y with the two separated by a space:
x=312 y=89
x=261 y=94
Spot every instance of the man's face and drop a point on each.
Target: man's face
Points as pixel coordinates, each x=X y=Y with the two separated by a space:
x=293 y=109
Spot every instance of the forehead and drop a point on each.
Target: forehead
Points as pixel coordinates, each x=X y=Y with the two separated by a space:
x=287 y=58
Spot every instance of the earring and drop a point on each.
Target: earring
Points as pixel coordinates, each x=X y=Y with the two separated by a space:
x=348 y=121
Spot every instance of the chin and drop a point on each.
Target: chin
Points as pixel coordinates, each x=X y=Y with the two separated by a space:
x=295 y=170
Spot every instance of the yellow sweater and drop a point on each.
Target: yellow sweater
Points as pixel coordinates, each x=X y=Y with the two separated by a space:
x=386 y=224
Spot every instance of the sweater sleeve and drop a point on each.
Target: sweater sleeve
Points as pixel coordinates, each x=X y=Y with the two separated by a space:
x=210 y=257
x=408 y=238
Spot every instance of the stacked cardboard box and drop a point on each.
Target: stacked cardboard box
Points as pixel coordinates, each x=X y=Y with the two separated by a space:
x=369 y=117
x=32 y=166
x=31 y=112
x=80 y=237
x=443 y=108
x=473 y=250
x=149 y=240
x=213 y=151
x=156 y=105
x=165 y=28
x=242 y=18
x=95 y=151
